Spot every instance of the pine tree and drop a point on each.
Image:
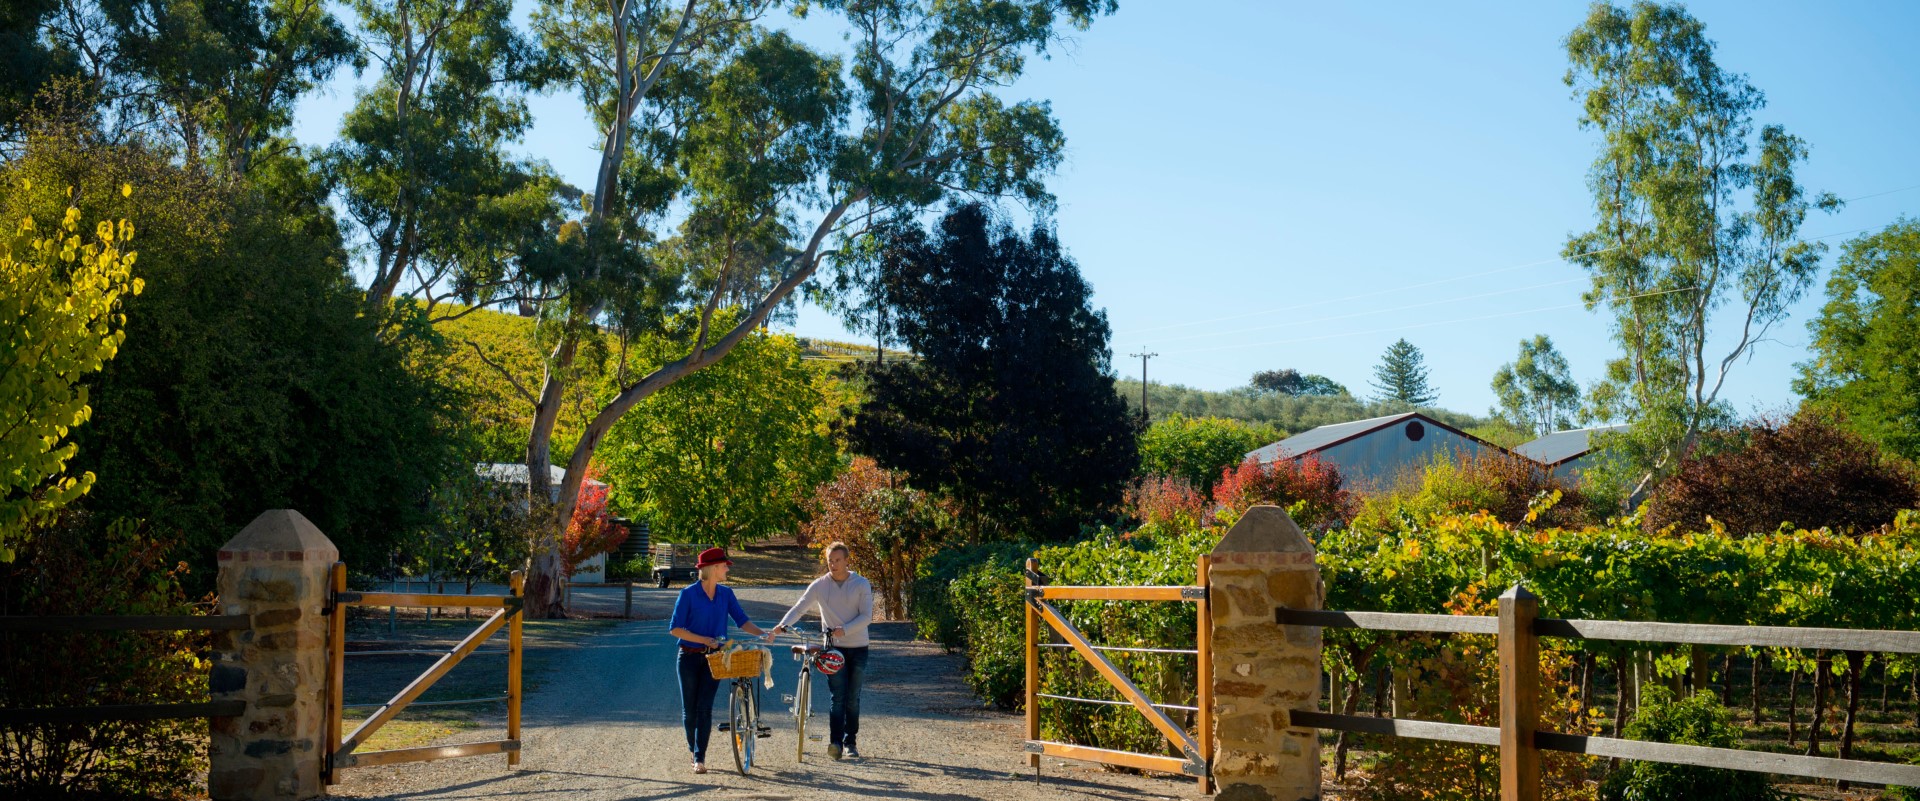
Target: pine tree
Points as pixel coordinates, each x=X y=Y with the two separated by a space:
x=1402 y=376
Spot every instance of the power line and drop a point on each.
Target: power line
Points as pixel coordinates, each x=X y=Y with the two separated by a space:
x=1386 y=310
x=1425 y=325
x=1471 y=319
x=1457 y=278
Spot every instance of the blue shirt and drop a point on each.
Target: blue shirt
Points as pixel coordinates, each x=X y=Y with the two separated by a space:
x=704 y=616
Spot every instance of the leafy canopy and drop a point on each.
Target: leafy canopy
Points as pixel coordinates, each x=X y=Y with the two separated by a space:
x=1866 y=341
x=1537 y=391
x=61 y=297
x=730 y=454
x=1292 y=382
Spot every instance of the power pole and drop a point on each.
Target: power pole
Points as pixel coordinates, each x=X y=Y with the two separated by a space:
x=1143 y=357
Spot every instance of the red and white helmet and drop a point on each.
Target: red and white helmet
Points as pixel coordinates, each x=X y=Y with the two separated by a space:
x=829 y=662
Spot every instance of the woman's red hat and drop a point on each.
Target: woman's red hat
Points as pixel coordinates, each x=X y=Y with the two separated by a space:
x=713 y=556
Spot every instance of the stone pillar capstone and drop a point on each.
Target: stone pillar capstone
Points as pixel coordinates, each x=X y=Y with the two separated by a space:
x=1261 y=669
x=275 y=572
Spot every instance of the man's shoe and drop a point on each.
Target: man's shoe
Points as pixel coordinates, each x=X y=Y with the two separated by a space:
x=834 y=750
x=852 y=752
x=699 y=767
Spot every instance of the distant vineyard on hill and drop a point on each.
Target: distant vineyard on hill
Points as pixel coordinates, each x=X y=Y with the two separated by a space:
x=1292 y=414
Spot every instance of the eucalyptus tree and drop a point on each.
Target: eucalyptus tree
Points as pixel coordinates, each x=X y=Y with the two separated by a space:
x=220 y=79
x=772 y=157
x=421 y=163
x=1536 y=391
x=1690 y=220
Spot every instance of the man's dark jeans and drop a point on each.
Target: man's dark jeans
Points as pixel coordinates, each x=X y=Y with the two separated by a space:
x=843 y=717
x=697 y=689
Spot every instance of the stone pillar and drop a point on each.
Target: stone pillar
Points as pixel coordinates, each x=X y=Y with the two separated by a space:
x=275 y=572
x=1261 y=669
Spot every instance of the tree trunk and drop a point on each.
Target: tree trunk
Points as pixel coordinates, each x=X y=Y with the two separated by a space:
x=1756 y=688
x=1697 y=659
x=1586 y=688
x=1821 y=665
x=1793 y=703
x=1885 y=682
x=1380 y=692
x=1351 y=705
x=1855 y=663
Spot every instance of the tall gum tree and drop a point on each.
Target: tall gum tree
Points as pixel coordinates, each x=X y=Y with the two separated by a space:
x=1689 y=221
x=774 y=153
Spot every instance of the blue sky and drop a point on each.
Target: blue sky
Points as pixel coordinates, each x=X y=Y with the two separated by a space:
x=1260 y=185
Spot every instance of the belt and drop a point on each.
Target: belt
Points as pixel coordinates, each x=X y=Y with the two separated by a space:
x=699 y=649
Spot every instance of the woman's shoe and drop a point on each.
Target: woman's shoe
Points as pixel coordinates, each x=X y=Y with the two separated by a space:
x=699 y=767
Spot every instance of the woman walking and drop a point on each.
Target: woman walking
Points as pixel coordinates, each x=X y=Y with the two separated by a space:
x=700 y=617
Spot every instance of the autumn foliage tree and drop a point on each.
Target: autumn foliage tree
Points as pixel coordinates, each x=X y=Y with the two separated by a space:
x=592 y=531
x=60 y=297
x=1311 y=490
x=889 y=527
x=1810 y=471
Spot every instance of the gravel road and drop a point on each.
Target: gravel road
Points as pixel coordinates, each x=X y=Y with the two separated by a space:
x=606 y=727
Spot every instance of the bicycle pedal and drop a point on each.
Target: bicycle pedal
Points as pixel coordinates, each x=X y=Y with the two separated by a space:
x=814 y=738
x=786 y=699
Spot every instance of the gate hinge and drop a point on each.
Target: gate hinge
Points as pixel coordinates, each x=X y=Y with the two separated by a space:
x=1193 y=593
x=1195 y=765
x=1033 y=747
x=1036 y=576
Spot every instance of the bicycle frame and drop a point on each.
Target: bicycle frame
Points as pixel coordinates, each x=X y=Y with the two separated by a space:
x=800 y=703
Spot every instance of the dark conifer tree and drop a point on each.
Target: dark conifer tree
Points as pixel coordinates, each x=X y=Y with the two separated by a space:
x=1010 y=406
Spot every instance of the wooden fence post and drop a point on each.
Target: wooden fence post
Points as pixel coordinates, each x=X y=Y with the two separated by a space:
x=517 y=586
x=1203 y=643
x=1519 y=695
x=336 y=669
x=1033 y=663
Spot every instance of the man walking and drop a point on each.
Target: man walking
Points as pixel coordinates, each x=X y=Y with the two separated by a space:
x=845 y=601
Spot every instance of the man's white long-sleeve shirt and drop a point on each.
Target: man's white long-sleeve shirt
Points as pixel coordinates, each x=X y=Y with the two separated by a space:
x=843 y=605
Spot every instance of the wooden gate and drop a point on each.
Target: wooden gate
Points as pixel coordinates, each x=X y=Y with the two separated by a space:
x=1196 y=753
x=344 y=753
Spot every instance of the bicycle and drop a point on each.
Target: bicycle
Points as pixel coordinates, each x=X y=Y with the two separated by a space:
x=743 y=701
x=812 y=656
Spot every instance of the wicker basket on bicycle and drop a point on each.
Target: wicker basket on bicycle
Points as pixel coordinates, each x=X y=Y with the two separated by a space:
x=737 y=664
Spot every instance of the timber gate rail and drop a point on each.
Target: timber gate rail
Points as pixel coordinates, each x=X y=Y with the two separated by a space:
x=344 y=753
x=120 y=712
x=1196 y=752
x=1518 y=629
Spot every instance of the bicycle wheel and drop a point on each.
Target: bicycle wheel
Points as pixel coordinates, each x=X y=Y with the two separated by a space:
x=742 y=727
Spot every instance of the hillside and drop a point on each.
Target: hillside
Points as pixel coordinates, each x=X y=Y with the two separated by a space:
x=1289 y=413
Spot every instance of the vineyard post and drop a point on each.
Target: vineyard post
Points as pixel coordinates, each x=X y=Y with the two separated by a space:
x=1033 y=665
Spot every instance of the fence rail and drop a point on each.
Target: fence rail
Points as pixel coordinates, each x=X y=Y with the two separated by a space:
x=1518 y=629
x=39 y=716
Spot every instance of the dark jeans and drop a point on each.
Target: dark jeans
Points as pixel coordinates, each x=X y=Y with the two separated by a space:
x=843 y=717
x=697 y=689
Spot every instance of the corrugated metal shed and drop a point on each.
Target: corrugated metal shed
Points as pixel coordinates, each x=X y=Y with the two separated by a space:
x=1563 y=446
x=516 y=473
x=1373 y=453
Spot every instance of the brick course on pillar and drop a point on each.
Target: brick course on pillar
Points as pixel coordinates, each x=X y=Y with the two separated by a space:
x=275 y=572
x=1261 y=669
